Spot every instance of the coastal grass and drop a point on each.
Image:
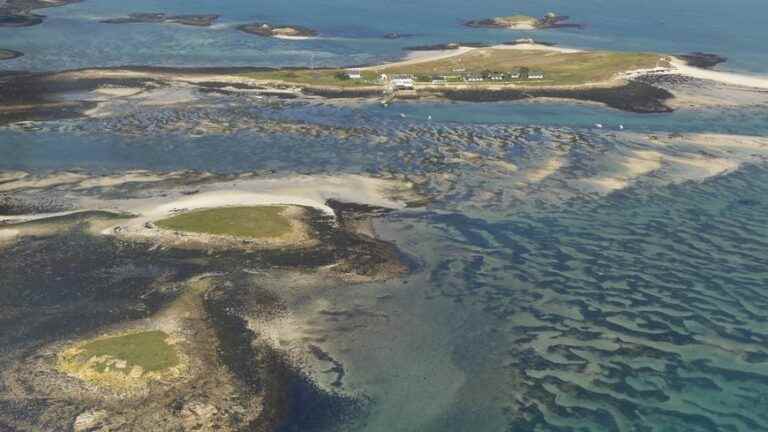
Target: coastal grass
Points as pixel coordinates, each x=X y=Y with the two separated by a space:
x=517 y=19
x=316 y=77
x=148 y=350
x=258 y=222
x=559 y=68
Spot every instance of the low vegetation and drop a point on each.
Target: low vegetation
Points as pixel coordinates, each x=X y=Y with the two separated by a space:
x=559 y=68
x=316 y=77
x=148 y=350
x=260 y=222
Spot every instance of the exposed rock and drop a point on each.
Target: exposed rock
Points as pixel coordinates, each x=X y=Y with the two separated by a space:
x=703 y=60
x=91 y=420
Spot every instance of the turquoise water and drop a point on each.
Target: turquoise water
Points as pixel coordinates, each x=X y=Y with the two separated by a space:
x=538 y=305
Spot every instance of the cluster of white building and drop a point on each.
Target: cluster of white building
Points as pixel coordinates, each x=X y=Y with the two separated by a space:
x=408 y=81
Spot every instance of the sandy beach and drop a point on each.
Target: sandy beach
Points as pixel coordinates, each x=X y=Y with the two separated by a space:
x=416 y=57
x=741 y=80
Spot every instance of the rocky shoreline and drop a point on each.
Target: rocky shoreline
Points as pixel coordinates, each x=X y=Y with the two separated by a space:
x=522 y=22
x=273 y=30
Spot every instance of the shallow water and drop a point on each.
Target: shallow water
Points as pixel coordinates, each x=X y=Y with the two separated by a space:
x=540 y=303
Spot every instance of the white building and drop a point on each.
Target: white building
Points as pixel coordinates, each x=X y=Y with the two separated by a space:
x=401 y=83
x=354 y=74
x=536 y=75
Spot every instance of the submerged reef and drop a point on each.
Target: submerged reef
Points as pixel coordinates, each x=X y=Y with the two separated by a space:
x=158 y=18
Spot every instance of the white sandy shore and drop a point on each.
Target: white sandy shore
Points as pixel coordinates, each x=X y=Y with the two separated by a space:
x=741 y=80
x=287 y=37
x=416 y=57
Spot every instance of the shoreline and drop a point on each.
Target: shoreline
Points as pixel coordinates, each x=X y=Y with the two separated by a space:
x=36 y=97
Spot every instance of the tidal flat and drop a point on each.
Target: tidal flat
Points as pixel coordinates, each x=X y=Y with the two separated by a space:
x=367 y=225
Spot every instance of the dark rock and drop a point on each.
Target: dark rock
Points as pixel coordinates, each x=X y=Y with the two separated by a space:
x=703 y=60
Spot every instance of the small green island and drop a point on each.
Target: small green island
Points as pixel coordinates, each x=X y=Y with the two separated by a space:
x=524 y=22
x=261 y=222
x=123 y=361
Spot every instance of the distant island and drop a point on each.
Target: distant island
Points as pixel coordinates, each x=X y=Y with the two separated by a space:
x=524 y=22
x=279 y=31
x=9 y=54
x=18 y=13
x=159 y=18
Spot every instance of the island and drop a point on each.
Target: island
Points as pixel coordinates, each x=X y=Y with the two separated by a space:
x=278 y=31
x=18 y=13
x=9 y=54
x=524 y=22
x=504 y=72
x=628 y=81
x=184 y=272
x=160 y=18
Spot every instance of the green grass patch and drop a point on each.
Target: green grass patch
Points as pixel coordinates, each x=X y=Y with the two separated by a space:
x=252 y=222
x=559 y=68
x=517 y=19
x=147 y=349
x=317 y=77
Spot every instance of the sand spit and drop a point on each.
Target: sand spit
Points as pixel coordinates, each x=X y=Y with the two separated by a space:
x=675 y=159
x=416 y=57
x=163 y=196
x=637 y=164
x=681 y=67
x=19 y=180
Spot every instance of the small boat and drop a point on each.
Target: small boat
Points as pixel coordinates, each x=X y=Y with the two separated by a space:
x=599 y=125
x=621 y=127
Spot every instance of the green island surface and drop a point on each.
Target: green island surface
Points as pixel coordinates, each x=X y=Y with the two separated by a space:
x=148 y=350
x=517 y=19
x=557 y=68
x=252 y=222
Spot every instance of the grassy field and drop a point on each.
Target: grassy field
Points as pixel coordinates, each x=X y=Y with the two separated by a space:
x=318 y=77
x=253 y=222
x=149 y=350
x=558 y=68
x=517 y=19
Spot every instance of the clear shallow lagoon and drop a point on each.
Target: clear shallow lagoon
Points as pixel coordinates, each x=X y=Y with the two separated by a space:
x=537 y=306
